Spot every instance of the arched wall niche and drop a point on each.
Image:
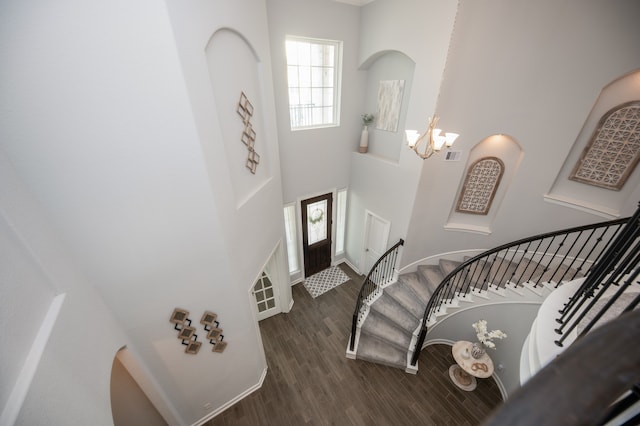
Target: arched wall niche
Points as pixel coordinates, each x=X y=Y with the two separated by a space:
x=387 y=65
x=133 y=397
x=234 y=69
x=490 y=169
x=599 y=201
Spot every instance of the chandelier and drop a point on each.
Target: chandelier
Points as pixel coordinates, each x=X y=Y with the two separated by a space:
x=431 y=141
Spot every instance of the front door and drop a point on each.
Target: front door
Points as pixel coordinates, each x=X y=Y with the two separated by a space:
x=316 y=233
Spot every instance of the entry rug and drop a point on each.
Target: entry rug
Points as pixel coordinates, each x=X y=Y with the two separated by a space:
x=324 y=281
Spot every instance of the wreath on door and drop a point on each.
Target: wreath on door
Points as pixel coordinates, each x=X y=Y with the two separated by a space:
x=316 y=216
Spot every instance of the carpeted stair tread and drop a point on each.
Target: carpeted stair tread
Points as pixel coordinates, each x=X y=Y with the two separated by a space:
x=432 y=276
x=499 y=273
x=447 y=266
x=527 y=270
x=418 y=285
x=383 y=329
x=557 y=273
x=375 y=350
x=395 y=312
x=404 y=295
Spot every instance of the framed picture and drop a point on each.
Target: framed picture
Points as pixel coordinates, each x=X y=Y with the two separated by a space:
x=193 y=347
x=186 y=333
x=179 y=316
x=219 y=347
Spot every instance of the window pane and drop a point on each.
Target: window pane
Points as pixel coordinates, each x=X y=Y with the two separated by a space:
x=305 y=97
x=304 y=75
x=316 y=96
x=292 y=76
x=341 y=210
x=317 y=54
x=327 y=97
x=317 y=221
x=312 y=64
x=317 y=76
x=290 y=235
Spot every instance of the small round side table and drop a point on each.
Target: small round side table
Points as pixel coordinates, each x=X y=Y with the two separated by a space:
x=464 y=372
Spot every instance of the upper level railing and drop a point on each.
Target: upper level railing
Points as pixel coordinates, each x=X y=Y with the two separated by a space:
x=552 y=257
x=596 y=381
x=605 y=291
x=382 y=272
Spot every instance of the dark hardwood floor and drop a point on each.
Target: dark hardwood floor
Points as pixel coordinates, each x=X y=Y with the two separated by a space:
x=310 y=381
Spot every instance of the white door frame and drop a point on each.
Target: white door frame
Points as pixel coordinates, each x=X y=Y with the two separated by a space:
x=368 y=216
x=299 y=243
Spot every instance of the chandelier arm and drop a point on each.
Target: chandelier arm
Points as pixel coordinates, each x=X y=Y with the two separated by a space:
x=429 y=149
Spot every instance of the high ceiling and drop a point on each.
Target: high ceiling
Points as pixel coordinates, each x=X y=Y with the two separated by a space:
x=355 y=2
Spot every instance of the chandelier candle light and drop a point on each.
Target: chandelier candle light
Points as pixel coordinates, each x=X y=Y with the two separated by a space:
x=485 y=338
x=431 y=141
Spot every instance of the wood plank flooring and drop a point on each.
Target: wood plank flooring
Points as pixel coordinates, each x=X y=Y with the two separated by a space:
x=310 y=381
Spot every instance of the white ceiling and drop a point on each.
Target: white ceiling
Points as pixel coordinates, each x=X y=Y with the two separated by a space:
x=355 y=2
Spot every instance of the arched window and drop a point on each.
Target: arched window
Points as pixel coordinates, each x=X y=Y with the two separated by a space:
x=480 y=186
x=613 y=150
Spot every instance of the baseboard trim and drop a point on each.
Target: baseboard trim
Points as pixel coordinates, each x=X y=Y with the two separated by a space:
x=350 y=265
x=233 y=401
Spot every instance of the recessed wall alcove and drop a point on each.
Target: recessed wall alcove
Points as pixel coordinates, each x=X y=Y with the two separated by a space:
x=234 y=68
x=387 y=66
x=490 y=168
x=592 y=198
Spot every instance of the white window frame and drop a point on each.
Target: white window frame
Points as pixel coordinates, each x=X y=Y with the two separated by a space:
x=290 y=230
x=341 y=219
x=308 y=98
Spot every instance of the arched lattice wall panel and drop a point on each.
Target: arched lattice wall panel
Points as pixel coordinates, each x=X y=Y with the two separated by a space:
x=491 y=166
x=613 y=150
x=480 y=186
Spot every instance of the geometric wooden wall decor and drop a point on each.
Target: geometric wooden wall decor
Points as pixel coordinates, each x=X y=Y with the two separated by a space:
x=480 y=186
x=186 y=333
x=248 y=138
x=613 y=150
x=214 y=334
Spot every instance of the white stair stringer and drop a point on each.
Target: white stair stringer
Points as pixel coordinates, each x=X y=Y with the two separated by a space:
x=541 y=348
x=362 y=316
x=492 y=296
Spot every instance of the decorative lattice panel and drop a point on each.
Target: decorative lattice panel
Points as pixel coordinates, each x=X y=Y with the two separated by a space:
x=613 y=151
x=480 y=186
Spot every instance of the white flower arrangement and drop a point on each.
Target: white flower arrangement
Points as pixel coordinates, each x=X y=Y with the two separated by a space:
x=486 y=337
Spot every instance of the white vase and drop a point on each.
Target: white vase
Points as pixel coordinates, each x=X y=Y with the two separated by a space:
x=364 y=140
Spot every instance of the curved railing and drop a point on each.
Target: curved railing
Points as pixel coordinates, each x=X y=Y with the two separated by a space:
x=594 y=382
x=551 y=257
x=382 y=272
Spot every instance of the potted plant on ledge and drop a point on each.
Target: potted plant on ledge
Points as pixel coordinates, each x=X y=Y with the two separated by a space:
x=367 y=119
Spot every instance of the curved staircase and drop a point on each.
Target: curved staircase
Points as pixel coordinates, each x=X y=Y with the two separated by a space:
x=391 y=322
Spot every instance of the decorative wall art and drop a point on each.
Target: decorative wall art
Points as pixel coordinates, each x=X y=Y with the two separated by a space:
x=214 y=334
x=389 y=104
x=613 y=150
x=480 y=186
x=248 y=138
x=186 y=333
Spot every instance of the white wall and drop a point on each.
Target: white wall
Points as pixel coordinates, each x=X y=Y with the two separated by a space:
x=317 y=160
x=69 y=383
x=385 y=187
x=514 y=319
x=532 y=71
x=100 y=127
